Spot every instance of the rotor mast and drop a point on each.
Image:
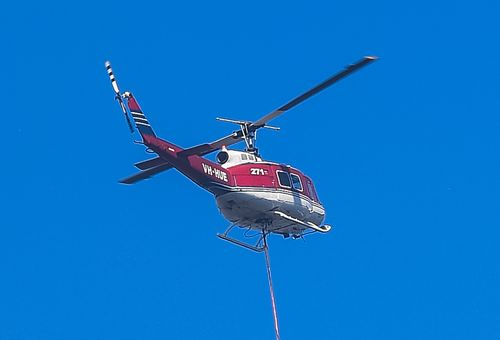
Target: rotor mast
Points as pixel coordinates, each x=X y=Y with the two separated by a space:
x=248 y=131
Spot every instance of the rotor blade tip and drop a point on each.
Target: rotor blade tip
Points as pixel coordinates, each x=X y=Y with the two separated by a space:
x=371 y=57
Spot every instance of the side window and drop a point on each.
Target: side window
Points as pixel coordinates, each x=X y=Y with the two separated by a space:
x=243 y=157
x=283 y=179
x=296 y=183
x=250 y=157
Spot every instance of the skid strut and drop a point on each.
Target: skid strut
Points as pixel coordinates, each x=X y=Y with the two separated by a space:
x=258 y=247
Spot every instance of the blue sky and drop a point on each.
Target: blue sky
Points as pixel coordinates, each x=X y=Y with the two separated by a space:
x=404 y=155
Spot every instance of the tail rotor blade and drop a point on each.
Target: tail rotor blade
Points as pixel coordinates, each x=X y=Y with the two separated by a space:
x=112 y=78
x=118 y=97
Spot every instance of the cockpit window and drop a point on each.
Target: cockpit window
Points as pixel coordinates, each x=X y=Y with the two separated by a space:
x=312 y=192
x=296 y=183
x=283 y=179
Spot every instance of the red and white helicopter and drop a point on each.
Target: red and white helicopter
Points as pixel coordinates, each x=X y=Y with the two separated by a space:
x=250 y=192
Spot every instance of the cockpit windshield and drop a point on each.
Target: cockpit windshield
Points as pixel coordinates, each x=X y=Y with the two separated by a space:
x=312 y=190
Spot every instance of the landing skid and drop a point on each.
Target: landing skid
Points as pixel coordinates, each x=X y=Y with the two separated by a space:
x=322 y=229
x=258 y=247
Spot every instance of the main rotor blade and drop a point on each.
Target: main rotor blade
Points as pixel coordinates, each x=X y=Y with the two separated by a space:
x=296 y=101
x=150 y=163
x=146 y=173
x=205 y=149
x=237 y=136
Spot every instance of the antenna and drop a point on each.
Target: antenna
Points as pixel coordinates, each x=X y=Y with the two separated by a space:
x=118 y=96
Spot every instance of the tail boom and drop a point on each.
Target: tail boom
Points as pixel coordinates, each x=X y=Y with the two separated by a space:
x=205 y=173
x=189 y=162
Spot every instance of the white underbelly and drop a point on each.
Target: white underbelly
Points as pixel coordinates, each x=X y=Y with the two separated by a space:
x=255 y=209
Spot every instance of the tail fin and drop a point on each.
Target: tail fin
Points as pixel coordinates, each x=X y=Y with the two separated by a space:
x=138 y=116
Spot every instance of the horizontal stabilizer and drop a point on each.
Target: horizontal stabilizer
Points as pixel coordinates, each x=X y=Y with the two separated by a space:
x=150 y=163
x=146 y=174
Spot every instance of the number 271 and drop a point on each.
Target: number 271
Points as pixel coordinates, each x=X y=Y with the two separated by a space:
x=257 y=171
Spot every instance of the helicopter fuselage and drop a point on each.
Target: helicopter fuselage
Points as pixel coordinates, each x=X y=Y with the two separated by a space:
x=250 y=192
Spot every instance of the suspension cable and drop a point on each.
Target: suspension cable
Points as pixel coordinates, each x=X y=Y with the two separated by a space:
x=271 y=289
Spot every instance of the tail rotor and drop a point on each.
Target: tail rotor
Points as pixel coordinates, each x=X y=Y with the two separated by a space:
x=119 y=97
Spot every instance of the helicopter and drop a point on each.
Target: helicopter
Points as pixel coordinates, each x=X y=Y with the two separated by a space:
x=250 y=192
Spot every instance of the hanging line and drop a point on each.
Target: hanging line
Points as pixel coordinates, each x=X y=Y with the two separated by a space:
x=271 y=289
